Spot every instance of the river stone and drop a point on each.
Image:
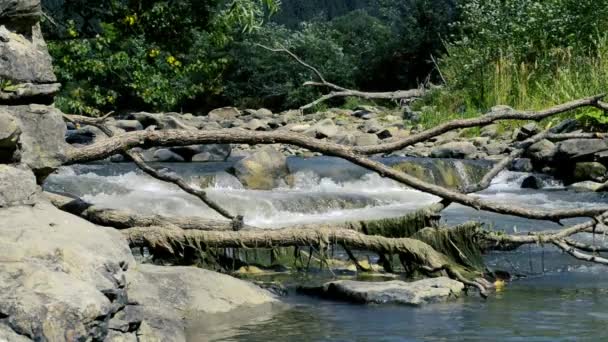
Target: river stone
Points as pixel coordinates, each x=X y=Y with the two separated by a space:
x=323 y=129
x=225 y=113
x=580 y=149
x=256 y=125
x=593 y=171
x=491 y=131
x=372 y=126
x=165 y=155
x=521 y=165
x=9 y=135
x=61 y=278
x=169 y=295
x=263 y=170
x=542 y=151
x=586 y=186
x=455 y=149
x=213 y=152
x=129 y=125
x=532 y=182
x=431 y=290
x=526 y=131
x=42 y=142
x=366 y=139
x=262 y=113
x=17 y=186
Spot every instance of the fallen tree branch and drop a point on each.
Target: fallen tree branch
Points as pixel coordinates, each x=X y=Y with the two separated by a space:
x=130 y=140
x=121 y=219
x=577 y=254
x=170 y=178
x=481 y=121
x=341 y=91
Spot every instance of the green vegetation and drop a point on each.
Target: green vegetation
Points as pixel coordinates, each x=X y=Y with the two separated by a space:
x=193 y=56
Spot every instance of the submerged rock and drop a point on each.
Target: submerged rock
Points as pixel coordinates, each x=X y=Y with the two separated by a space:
x=419 y=292
x=586 y=186
x=166 y=155
x=532 y=182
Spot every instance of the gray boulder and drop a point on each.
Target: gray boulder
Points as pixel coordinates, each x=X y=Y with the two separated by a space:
x=431 y=290
x=26 y=12
x=491 y=131
x=455 y=149
x=580 y=149
x=256 y=125
x=494 y=148
x=592 y=171
x=225 y=113
x=263 y=170
x=366 y=139
x=9 y=136
x=17 y=186
x=526 y=131
x=129 y=125
x=521 y=165
x=542 y=151
x=587 y=186
x=42 y=140
x=25 y=57
x=323 y=129
x=166 y=155
x=371 y=126
x=214 y=152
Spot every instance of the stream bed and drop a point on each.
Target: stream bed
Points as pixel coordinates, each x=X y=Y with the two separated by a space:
x=556 y=298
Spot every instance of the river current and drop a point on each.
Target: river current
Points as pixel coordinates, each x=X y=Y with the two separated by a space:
x=556 y=297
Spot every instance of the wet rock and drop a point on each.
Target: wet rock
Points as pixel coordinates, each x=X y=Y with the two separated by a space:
x=542 y=151
x=17 y=186
x=419 y=292
x=225 y=113
x=165 y=306
x=532 y=182
x=521 y=165
x=42 y=141
x=165 y=155
x=586 y=186
x=593 y=171
x=456 y=149
x=323 y=129
x=388 y=133
x=580 y=149
x=494 y=148
x=263 y=170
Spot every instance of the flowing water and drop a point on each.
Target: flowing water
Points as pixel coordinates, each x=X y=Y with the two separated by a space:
x=557 y=298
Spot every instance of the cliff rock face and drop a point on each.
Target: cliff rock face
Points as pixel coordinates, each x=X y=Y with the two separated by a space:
x=26 y=71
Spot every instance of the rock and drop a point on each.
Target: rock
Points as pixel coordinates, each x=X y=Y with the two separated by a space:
x=345 y=139
x=67 y=281
x=458 y=150
x=26 y=12
x=80 y=137
x=532 y=182
x=480 y=141
x=166 y=306
x=371 y=126
x=366 y=139
x=262 y=113
x=298 y=128
x=213 y=152
x=579 y=149
x=8 y=335
x=225 y=113
x=431 y=290
x=586 y=186
x=542 y=151
x=25 y=58
x=117 y=158
x=167 y=121
x=322 y=129
x=129 y=125
x=592 y=171
x=521 y=165
x=388 y=133
x=9 y=136
x=491 y=131
x=165 y=155
x=526 y=131
x=256 y=125
x=369 y=109
x=42 y=141
x=265 y=169
x=410 y=115
x=17 y=186
x=494 y=148
x=500 y=109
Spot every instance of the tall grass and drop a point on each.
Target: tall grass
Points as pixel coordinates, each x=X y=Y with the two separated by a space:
x=558 y=76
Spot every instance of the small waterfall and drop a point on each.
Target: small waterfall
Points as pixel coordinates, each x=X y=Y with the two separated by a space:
x=462 y=173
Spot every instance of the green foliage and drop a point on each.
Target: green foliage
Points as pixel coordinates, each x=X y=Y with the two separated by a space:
x=147 y=54
x=525 y=53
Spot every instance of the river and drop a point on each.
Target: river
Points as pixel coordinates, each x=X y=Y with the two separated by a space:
x=555 y=298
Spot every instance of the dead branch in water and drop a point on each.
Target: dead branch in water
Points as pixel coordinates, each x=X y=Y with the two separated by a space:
x=338 y=91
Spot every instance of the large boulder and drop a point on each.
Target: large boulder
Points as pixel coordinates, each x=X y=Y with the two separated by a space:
x=264 y=170
x=42 y=141
x=455 y=149
x=419 y=292
x=213 y=152
x=323 y=129
x=17 y=186
x=9 y=136
x=542 y=151
x=580 y=149
x=166 y=306
x=165 y=155
x=225 y=113
x=20 y=12
x=592 y=171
